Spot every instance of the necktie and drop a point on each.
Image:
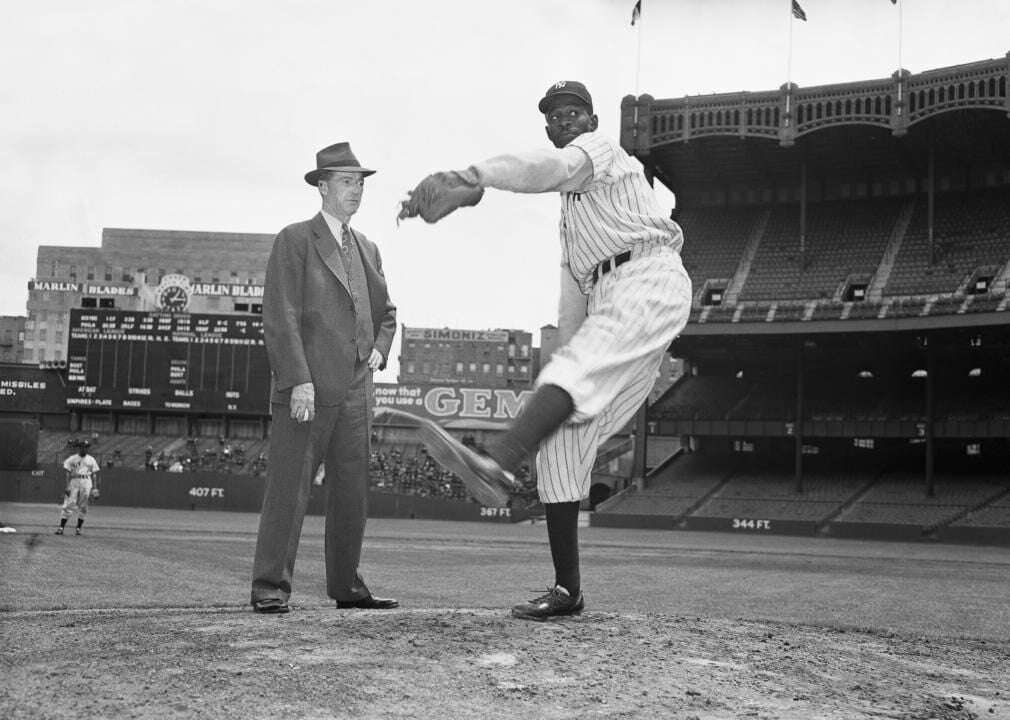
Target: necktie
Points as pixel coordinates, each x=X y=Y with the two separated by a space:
x=345 y=238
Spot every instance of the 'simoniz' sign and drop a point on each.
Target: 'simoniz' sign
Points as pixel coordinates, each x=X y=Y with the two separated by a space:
x=122 y=359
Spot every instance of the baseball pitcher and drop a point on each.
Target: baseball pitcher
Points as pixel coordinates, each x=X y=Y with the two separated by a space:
x=625 y=296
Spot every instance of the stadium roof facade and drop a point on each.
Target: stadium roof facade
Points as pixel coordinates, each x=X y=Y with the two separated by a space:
x=958 y=116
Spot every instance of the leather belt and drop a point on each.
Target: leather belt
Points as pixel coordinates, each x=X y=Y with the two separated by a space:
x=610 y=264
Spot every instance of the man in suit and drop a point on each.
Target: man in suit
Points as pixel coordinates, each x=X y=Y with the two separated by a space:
x=328 y=325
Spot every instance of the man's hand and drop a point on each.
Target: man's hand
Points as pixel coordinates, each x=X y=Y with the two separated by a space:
x=303 y=402
x=375 y=360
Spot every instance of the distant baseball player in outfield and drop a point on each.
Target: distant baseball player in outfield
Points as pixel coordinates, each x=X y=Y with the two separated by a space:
x=81 y=471
x=625 y=296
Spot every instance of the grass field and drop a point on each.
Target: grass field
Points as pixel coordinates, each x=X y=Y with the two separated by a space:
x=150 y=570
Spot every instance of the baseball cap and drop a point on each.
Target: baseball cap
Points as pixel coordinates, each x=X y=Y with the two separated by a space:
x=565 y=87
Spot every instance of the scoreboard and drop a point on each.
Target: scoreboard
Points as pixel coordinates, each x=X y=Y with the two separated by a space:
x=160 y=361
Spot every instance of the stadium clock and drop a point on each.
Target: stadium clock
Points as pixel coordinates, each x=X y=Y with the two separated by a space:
x=173 y=293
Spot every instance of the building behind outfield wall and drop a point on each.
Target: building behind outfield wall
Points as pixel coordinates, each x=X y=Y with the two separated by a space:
x=491 y=358
x=12 y=338
x=145 y=270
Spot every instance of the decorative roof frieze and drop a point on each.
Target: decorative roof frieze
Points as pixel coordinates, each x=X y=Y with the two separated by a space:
x=790 y=112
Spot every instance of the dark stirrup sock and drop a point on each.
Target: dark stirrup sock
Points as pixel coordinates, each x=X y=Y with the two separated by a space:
x=563 y=533
x=543 y=413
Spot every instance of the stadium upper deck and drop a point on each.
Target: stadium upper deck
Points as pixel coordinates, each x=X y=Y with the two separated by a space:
x=863 y=201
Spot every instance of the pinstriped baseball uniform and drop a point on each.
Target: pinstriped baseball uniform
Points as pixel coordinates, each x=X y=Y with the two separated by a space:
x=80 y=469
x=608 y=364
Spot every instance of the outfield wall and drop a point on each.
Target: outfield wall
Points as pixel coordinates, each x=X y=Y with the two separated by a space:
x=224 y=491
x=804 y=528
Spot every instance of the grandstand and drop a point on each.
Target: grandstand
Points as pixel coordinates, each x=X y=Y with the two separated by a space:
x=157 y=452
x=899 y=500
x=849 y=342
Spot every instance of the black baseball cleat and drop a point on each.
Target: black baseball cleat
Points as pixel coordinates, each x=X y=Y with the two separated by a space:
x=489 y=484
x=77 y=531
x=556 y=602
x=59 y=531
x=368 y=603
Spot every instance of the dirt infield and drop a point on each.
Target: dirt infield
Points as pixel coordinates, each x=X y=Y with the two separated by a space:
x=145 y=617
x=460 y=663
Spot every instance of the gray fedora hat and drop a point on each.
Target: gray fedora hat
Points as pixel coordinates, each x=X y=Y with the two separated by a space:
x=335 y=157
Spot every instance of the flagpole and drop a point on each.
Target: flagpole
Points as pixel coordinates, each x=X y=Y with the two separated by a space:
x=789 y=59
x=901 y=10
x=638 y=67
x=901 y=77
x=638 y=63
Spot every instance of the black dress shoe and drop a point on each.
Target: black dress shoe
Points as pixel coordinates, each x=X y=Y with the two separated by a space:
x=368 y=603
x=271 y=606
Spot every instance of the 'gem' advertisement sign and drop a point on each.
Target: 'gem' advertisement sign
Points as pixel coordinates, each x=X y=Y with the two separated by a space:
x=446 y=402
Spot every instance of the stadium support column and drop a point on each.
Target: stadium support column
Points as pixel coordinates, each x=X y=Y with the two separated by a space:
x=930 y=411
x=798 y=425
x=638 y=462
x=803 y=214
x=931 y=202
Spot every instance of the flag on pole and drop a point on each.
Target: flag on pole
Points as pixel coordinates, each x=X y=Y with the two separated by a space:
x=636 y=12
x=798 y=11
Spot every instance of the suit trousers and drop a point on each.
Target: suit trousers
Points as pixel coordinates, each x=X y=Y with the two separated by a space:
x=339 y=436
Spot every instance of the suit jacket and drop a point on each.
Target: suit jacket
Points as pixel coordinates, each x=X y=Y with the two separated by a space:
x=308 y=315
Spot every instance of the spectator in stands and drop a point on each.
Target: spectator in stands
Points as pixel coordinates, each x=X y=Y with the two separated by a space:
x=328 y=324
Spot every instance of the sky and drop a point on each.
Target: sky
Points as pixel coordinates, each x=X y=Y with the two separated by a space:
x=205 y=114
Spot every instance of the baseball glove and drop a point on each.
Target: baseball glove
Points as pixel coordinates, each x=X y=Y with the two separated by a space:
x=95 y=493
x=438 y=195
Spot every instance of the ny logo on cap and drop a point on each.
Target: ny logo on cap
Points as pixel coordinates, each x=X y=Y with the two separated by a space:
x=559 y=85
